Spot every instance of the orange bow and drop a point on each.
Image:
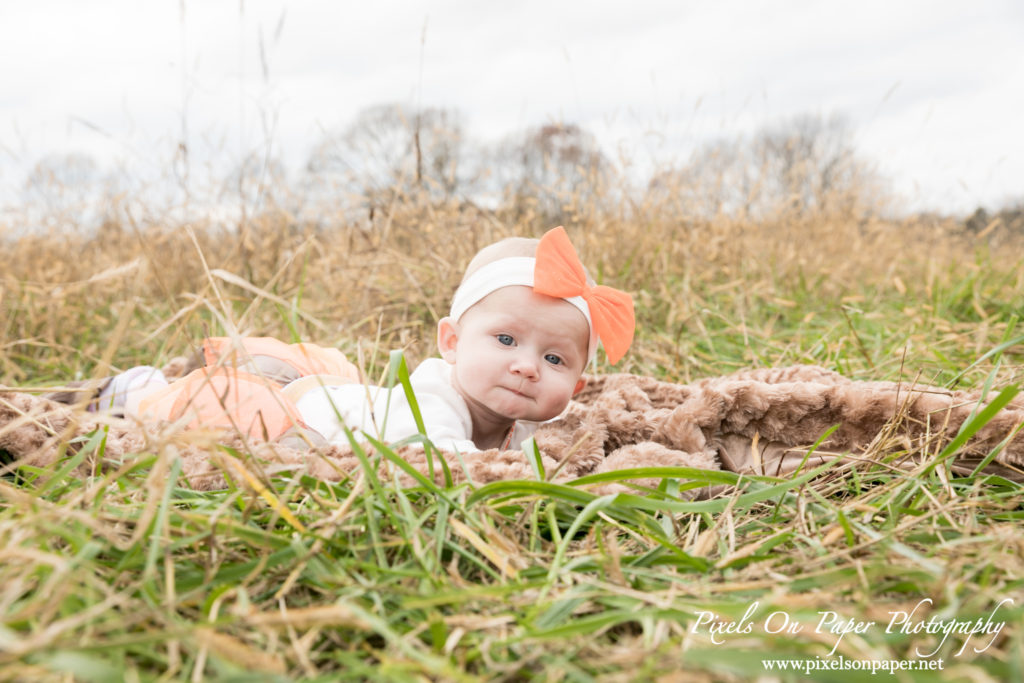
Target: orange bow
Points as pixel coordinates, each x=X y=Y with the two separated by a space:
x=559 y=273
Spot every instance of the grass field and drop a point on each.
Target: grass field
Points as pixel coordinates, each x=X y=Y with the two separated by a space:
x=131 y=575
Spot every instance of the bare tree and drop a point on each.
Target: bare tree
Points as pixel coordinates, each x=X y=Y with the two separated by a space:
x=257 y=181
x=549 y=170
x=64 y=188
x=390 y=151
x=810 y=161
x=804 y=164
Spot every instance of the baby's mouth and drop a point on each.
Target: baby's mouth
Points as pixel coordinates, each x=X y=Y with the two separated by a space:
x=517 y=392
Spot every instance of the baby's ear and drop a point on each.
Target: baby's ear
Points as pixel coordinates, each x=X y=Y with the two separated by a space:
x=447 y=338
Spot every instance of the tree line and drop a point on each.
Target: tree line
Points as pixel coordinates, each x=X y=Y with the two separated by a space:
x=394 y=152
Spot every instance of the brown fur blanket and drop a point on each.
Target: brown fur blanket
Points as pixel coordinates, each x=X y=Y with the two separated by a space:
x=759 y=421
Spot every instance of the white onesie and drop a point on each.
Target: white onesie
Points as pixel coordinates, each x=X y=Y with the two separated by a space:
x=445 y=415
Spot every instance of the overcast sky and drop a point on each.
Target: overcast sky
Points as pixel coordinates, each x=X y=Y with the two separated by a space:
x=933 y=90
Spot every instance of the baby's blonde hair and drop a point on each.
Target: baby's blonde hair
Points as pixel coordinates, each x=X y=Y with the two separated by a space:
x=508 y=248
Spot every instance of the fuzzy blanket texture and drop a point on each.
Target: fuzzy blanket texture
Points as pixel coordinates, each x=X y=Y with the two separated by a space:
x=757 y=422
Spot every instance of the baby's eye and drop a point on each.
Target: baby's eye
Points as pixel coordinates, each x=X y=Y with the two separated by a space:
x=553 y=359
x=505 y=339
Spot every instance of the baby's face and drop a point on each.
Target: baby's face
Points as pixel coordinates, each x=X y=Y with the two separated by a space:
x=519 y=355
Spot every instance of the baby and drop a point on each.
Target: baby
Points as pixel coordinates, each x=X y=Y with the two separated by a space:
x=523 y=325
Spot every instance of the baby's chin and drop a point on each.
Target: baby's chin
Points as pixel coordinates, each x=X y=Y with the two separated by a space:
x=531 y=414
x=508 y=406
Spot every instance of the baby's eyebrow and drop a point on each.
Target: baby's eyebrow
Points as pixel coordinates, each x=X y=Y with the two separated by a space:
x=509 y=321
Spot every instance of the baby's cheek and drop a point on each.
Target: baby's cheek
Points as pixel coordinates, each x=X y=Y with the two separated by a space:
x=566 y=387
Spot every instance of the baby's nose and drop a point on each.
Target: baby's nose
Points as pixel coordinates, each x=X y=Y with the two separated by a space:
x=524 y=366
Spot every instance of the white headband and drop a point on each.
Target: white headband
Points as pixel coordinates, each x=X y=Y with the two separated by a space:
x=513 y=270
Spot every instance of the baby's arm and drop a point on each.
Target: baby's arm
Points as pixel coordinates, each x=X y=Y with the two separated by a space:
x=446 y=426
x=328 y=409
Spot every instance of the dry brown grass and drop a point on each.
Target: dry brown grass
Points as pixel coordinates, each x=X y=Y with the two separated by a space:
x=384 y=282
